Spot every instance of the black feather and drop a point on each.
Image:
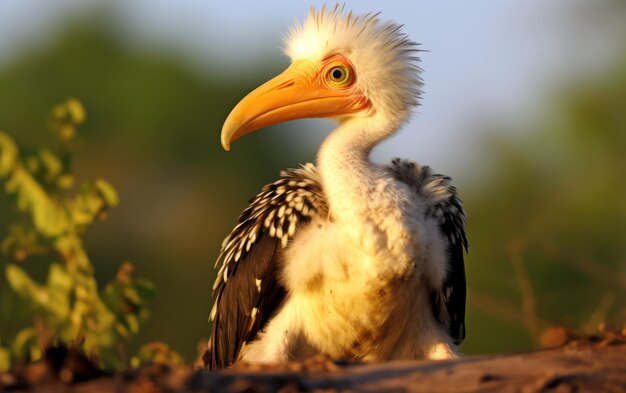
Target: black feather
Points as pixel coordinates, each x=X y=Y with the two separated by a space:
x=443 y=205
x=297 y=194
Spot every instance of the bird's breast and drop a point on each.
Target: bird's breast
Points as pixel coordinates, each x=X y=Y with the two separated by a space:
x=344 y=287
x=355 y=278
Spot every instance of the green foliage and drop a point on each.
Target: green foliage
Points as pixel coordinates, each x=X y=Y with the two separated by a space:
x=547 y=226
x=153 y=131
x=53 y=220
x=5 y=359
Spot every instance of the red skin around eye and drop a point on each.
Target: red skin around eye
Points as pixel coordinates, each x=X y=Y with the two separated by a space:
x=333 y=61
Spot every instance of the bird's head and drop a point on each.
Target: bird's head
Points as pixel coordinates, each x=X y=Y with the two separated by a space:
x=343 y=67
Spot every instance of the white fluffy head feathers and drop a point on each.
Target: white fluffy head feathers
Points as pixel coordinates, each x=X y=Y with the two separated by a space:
x=384 y=58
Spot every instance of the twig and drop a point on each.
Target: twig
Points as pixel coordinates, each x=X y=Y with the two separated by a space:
x=529 y=302
x=498 y=308
x=600 y=313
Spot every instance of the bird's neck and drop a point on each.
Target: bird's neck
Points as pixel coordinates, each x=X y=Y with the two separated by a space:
x=348 y=176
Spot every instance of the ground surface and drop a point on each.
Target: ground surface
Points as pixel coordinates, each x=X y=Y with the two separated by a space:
x=597 y=365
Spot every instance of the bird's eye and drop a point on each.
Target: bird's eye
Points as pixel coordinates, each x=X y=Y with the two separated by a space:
x=339 y=75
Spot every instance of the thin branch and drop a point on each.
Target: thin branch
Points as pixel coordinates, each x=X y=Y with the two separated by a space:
x=601 y=311
x=529 y=302
x=497 y=308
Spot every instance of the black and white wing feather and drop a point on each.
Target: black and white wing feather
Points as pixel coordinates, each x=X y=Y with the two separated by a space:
x=444 y=205
x=247 y=289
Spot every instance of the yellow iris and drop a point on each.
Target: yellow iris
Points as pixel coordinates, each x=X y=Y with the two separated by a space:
x=339 y=75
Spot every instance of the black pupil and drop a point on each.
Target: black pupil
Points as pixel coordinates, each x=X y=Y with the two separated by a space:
x=337 y=73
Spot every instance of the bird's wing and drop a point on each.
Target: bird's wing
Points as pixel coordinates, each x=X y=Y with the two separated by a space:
x=443 y=205
x=248 y=292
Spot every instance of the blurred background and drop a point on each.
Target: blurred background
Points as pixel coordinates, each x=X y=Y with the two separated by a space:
x=524 y=106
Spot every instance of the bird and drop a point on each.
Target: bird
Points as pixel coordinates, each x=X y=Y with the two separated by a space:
x=345 y=258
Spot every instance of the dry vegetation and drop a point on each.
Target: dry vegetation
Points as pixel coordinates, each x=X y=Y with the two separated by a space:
x=594 y=363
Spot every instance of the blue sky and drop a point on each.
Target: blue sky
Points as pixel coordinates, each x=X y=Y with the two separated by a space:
x=485 y=59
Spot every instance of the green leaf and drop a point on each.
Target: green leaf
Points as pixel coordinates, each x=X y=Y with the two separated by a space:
x=8 y=154
x=145 y=288
x=107 y=192
x=22 y=241
x=65 y=117
x=52 y=164
x=26 y=346
x=59 y=279
x=47 y=214
x=76 y=111
x=53 y=298
x=60 y=285
x=65 y=181
x=131 y=295
x=133 y=323
x=5 y=359
x=21 y=283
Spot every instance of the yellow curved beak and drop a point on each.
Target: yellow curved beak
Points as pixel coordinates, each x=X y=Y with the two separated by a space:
x=297 y=93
